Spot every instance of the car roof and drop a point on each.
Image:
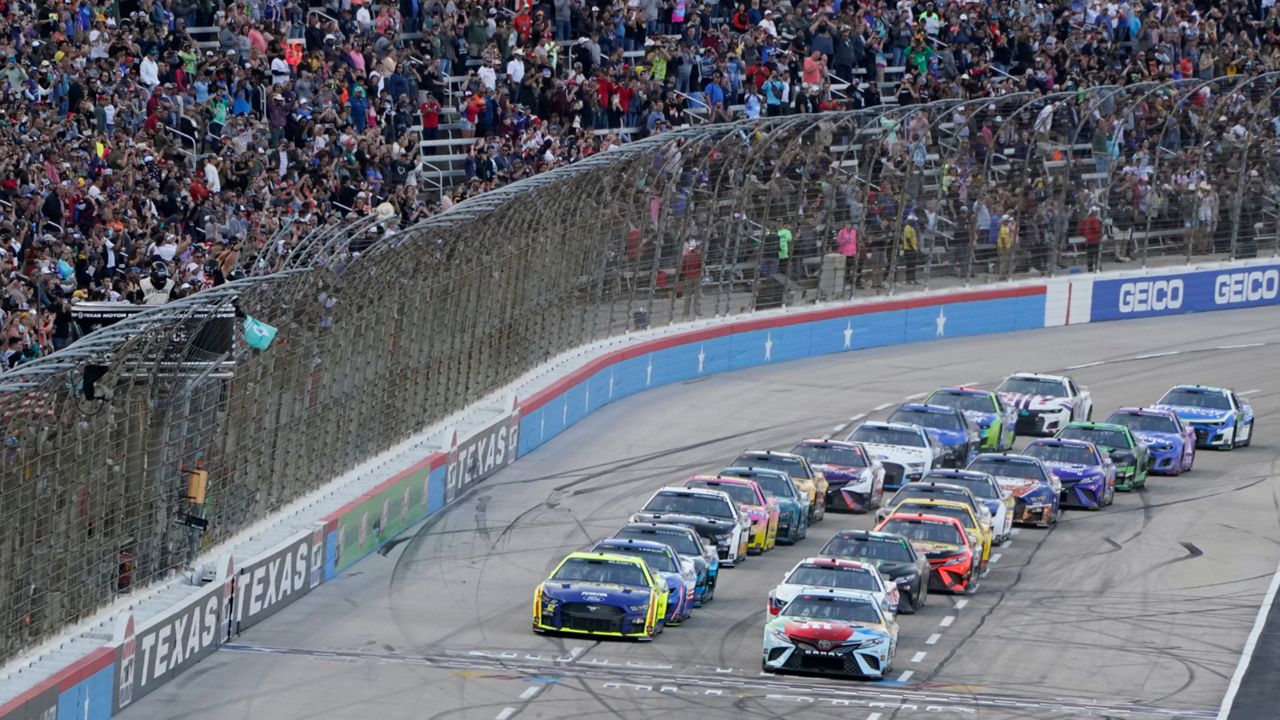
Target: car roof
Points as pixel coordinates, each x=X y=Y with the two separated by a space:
x=1201 y=388
x=1038 y=376
x=926 y=482
x=962 y=390
x=940 y=502
x=956 y=474
x=699 y=492
x=891 y=425
x=820 y=443
x=1162 y=412
x=661 y=528
x=1011 y=458
x=632 y=542
x=771 y=452
x=716 y=479
x=821 y=593
x=1091 y=425
x=825 y=561
x=866 y=534
x=926 y=517
x=1061 y=442
x=611 y=557
x=925 y=407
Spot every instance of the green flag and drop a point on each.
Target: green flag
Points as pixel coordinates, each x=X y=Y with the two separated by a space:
x=258 y=334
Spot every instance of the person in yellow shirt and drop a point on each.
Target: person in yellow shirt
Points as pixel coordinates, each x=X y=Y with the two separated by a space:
x=1005 y=242
x=910 y=248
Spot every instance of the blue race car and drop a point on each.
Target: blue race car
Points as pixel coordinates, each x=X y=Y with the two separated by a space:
x=1088 y=477
x=959 y=438
x=793 y=508
x=689 y=545
x=601 y=594
x=1219 y=416
x=1171 y=442
x=1037 y=493
x=680 y=575
x=995 y=420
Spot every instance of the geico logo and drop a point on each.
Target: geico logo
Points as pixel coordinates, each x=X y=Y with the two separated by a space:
x=1248 y=286
x=1146 y=295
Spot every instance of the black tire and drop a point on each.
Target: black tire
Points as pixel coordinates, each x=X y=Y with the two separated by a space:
x=905 y=605
x=1249 y=440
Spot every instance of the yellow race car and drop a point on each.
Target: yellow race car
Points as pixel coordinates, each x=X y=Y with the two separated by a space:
x=808 y=481
x=598 y=593
x=979 y=533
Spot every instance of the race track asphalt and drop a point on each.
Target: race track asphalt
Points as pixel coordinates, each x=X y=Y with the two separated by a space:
x=1138 y=611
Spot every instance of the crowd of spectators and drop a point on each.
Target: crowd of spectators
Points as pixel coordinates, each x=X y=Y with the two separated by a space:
x=151 y=148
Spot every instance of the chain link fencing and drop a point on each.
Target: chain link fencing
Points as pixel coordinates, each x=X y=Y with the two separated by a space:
x=383 y=331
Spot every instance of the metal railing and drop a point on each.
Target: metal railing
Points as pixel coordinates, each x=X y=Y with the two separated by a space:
x=384 y=331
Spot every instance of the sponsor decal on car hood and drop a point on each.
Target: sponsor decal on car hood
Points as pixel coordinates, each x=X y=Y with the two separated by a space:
x=1025 y=401
x=1073 y=471
x=1198 y=414
x=1156 y=438
x=899 y=453
x=606 y=593
x=839 y=473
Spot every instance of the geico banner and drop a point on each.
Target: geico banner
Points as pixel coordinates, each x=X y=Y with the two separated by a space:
x=1186 y=292
x=270 y=583
x=481 y=455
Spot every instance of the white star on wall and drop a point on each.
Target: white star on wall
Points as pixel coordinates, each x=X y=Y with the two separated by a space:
x=848 y=335
x=648 y=373
x=768 y=347
x=702 y=358
x=941 y=321
x=610 y=383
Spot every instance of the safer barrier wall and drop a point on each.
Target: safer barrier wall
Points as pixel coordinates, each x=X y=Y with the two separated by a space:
x=243 y=594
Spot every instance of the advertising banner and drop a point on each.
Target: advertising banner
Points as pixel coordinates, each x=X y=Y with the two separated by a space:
x=481 y=455
x=283 y=576
x=1175 y=293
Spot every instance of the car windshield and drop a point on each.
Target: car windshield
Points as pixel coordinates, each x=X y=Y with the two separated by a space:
x=926 y=492
x=924 y=418
x=999 y=468
x=1097 y=436
x=846 y=578
x=600 y=571
x=1033 y=386
x=1185 y=397
x=740 y=493
x=867 y=548
x=690 y=504
x=1068 y=454
x=979 y=487
x=831 y=455
x=657 y=560
x=1144 y=422
x=822 y=608
x=682 y=543
x=792 y=466
x=981 y=402
x=887 y=436
x=776 y=485
x=924 y=530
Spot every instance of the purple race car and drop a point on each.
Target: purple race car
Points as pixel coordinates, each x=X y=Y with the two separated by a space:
x=1088 y=477
x=1171 y=442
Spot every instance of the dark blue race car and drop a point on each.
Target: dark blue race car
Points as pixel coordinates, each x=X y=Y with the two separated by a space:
x=1088 y=477
x=680 y=575
x=959 y=438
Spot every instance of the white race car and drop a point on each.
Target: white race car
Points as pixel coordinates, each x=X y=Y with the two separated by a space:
x=1045 y=403
x=711 y=513
x=906 y=451
x=825 y=572
x=833 y=632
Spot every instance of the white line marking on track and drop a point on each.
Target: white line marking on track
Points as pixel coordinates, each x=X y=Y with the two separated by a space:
x=506 y=713
x=985 y=572
x=946 y=621
x=1238 y=347
x=857 y=417
x=1081 y=366
x=933 y=639
x=1249 y=392
x=1151 y=356
x=996 y=558
x=968 y=383
x=838 y=428
x=961 y=603
x=882 y=406
x=1015 y=531
x=531 y=692
x=906 y=676
x=918 y=656
x=1250 y=644
x=873 y=716
x=917 y=396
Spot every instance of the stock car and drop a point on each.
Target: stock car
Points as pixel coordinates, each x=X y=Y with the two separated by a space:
x=689 y=546
x=927 y=489
x=979 y=532
x=837 y=632
x=1045 y=403
x=1171 y=442
x=712 y=513
x=906 y=451
x=1127 y=452
x=793 y=507
x=601 y=594
x=953 y=560
x=893 y=555
x=855 y=480
x=949 y=428
x=1037 y=494
x=1087 y=475
x=826 y=572
x=1219 y=416
x=679 y=574
x=760 y=507
x=985 y=489
x=996 y=421
x=809 y=481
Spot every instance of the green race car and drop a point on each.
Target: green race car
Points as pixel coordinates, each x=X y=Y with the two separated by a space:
x=1130 y=455
x=996 y=421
